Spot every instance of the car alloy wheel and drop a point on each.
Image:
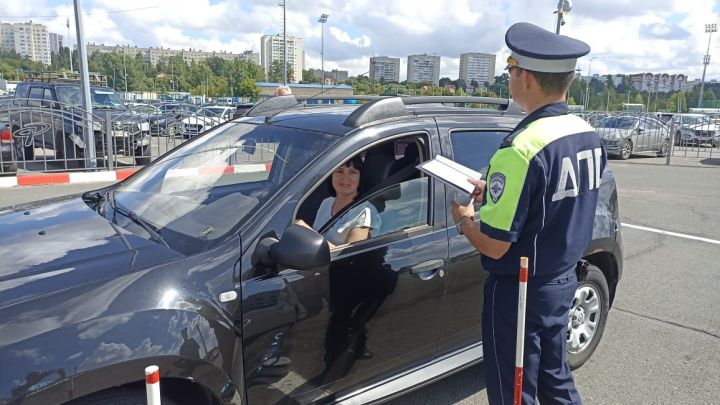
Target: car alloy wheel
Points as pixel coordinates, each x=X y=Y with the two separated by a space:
x=626 y=150
x=583 y=318
x=664 y=148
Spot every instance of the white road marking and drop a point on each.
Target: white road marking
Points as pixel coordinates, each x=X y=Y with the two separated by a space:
x=669 y=233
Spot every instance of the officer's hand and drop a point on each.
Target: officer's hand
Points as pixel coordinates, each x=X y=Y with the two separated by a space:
x=459 y=211
x=479 y=193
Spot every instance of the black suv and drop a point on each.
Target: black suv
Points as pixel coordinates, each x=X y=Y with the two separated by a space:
x=48 y=115
x=195 y=264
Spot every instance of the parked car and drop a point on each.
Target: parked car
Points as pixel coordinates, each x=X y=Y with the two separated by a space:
x=195 y=264
x=625 y=135
x=204 y=119
x=695 y=129
x=167 y=119
x=48 y=115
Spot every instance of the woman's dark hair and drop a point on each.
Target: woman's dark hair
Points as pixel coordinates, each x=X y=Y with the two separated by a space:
x=356 y=163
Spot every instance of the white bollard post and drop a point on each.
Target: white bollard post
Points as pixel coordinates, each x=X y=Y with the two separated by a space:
x=152 y=385
x=520 y=337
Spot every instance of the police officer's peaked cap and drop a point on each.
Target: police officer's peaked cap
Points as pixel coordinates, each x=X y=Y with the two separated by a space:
x=534 y=48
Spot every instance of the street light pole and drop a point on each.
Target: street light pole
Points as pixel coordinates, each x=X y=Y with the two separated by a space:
x=564 y=6
x=67 y=24
x=282 y=4
x=125 y=73
x=587 y=84
x=709 y=28
x=322 y=20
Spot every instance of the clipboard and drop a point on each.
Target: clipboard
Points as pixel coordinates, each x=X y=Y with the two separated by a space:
x=451 y=173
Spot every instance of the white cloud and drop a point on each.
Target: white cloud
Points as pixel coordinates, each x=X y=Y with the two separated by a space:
x=362 y=41
x=626 y=36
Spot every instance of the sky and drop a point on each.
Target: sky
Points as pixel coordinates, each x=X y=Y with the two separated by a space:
x=626 y=36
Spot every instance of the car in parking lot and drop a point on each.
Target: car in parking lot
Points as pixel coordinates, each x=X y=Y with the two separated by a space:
x=204 y=119
x=627 y=134
x=195 y=264
x=695 y=129
x=48 y=115
x=166 y=120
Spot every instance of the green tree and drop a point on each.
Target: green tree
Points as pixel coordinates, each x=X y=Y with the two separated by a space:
x=248 y=88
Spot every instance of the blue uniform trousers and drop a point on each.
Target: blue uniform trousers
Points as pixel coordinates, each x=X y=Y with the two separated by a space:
x=547 y=375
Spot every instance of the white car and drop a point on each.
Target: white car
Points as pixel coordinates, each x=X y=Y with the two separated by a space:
x=204 y=119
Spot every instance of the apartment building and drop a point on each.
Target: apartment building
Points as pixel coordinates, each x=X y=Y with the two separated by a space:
x=477 y=66
x=272 y=48
x=423 y=68
x=386 y=69
x=26 y=39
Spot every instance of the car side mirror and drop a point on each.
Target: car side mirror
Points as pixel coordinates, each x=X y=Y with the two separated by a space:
x=640 y=130
x=299 y=248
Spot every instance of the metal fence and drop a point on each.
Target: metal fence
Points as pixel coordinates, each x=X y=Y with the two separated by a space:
x=628 y=134
x=46 y=135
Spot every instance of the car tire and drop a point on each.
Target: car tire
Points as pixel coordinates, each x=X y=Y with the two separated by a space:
x=121 y=396
x=626 y=150
x=678 y=139
x=664 y=148
x=587 y=316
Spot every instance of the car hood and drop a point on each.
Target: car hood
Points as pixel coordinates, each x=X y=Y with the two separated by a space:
x=62 y=243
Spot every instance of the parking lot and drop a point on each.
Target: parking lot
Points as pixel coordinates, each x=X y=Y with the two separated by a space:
x=662 y=340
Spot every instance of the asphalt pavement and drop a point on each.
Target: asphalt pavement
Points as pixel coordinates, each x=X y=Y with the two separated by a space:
x=662 y=340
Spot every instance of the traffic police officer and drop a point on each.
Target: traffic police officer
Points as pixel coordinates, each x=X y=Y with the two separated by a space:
x=542 y=189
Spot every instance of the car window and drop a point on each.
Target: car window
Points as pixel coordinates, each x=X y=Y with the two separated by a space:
x=475 y=148
x=401 y=206
x=397 y=200
x=47 y=94
x=36 y=92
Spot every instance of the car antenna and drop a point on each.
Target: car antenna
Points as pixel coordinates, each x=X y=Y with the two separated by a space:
x=269 y=118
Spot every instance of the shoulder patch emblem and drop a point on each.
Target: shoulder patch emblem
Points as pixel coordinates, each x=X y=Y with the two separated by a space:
x=497 y=186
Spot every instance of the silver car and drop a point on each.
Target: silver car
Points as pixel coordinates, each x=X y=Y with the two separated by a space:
x=695 y=129
x=625 y=135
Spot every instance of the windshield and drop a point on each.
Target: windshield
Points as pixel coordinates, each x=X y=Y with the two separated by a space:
x=617 y=122
x=696 y=120
x=205 y=190
x=210 y=111
x=101 y=98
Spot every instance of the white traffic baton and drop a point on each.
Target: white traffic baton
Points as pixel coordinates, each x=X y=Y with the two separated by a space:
x=152 y=385
x=520 y=337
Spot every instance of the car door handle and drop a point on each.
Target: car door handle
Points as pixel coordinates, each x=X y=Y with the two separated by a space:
x=424 y=267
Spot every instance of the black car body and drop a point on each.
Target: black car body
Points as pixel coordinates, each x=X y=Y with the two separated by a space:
x=48 y=115
x=194 y=264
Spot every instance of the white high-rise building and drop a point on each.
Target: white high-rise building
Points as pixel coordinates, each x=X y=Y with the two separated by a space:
x=26 y=39
x=383 y=68
x=56 y=43
x=477 y=66
x=423 y=68
x=271 y=49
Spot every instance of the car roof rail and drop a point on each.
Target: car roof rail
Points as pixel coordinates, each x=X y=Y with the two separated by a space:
x=381 y=108
x=272 y=105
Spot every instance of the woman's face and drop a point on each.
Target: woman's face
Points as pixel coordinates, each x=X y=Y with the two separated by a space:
x=345 y=180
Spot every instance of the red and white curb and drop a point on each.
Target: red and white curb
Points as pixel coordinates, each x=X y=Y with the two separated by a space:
x=41 y=179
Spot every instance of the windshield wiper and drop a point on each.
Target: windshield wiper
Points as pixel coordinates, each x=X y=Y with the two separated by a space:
x=151 y=230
